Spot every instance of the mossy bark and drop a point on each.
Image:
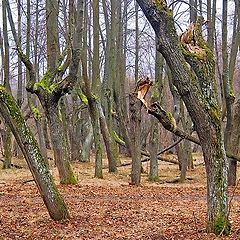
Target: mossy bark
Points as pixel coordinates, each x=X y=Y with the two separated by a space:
x=10 y=111
x=196 y=87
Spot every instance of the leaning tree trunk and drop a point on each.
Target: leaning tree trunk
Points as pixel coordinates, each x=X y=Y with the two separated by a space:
x=196 y=88
x=9 y=110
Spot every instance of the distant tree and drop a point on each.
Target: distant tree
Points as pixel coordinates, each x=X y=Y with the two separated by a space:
x=232 y=133
x=7 y=135
x=154 y=138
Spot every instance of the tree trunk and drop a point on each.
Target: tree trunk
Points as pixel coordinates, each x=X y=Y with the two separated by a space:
x=234 y=146
x=136 y=68
x=86 y=146
x=45 y=133
x=7 y=140
x=75 y=130
x=7 y=147
x=44 y=181
x=201 y=101
x=60 y=148
x=231 y=131
x=41 y=139
x=153 y=150
x=227 y=83
x=109 y=142
x=135 y=135
x=94 y=115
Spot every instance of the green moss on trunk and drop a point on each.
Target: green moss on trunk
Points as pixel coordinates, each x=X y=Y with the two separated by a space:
x=222 y=226
x=44 y=181
x=71 y=179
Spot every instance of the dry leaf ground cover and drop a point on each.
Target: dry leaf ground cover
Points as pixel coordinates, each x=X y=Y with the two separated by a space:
x=110 y=208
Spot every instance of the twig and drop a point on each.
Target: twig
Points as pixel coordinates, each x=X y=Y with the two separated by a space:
x=171 y=146
x=29 y=180
x=148 y=159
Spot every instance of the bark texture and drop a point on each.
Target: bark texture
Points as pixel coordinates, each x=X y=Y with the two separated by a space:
x=135 y=135
x=44 y=181
x=195 y=86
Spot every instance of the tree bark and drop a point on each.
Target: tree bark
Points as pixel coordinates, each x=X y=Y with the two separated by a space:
x=200 y=99
x=153 y=150
x=135 y=135
x=234 y=144
x=44 y=181
x=231 y=136
x=7 y=139
x=50 y=88
x=86 y=146
x=60 y=148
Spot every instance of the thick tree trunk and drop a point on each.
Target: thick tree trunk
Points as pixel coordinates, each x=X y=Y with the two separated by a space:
x=44 y=181
x=217 y=199
x=201 y=101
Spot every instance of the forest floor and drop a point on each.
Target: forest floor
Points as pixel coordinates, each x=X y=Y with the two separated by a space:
x=110 y=208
